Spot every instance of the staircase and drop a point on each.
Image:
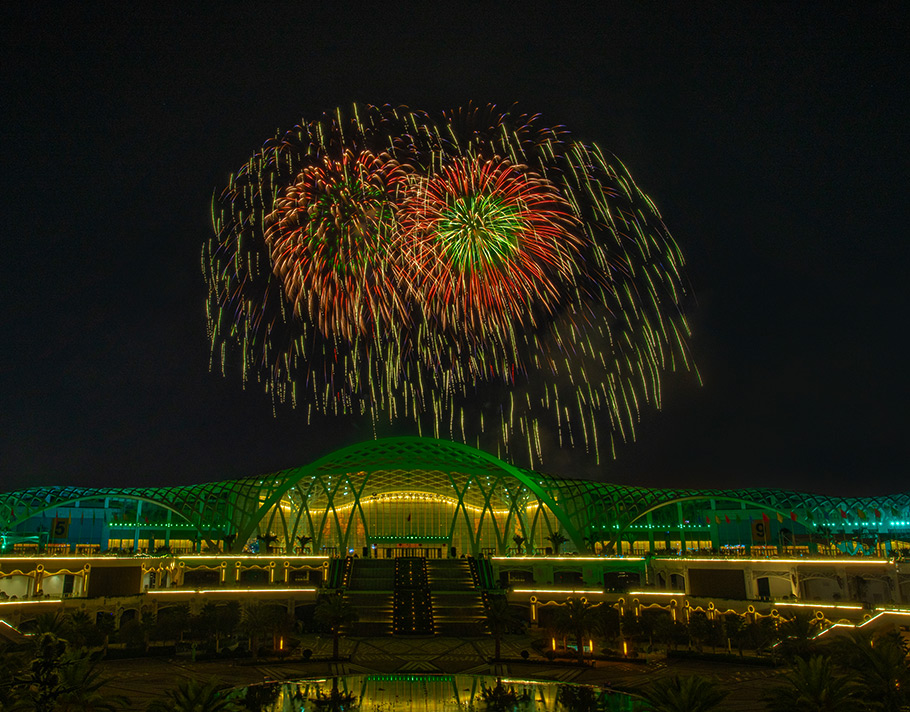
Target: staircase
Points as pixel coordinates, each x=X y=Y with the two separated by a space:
x=368 y=589
x=457 y=604
x=412 y=596
x=413 y=609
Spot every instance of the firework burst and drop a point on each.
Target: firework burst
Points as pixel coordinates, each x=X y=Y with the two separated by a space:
x=398 y=265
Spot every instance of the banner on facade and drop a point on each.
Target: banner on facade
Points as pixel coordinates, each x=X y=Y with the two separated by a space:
x=760 y=531
x=61 y=528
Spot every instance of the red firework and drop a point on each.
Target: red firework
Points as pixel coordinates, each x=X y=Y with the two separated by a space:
x=489 y=243
x=328 y=235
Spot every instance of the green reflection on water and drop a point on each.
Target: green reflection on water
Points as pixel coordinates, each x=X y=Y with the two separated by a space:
x=430 y=693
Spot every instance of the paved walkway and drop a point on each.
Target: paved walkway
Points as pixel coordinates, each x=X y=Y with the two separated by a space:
x=144 y=679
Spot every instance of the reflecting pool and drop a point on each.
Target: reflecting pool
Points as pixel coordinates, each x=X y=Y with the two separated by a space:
x=429 y=693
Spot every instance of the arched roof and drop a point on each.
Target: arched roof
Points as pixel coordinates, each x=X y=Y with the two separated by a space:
x=577 y=504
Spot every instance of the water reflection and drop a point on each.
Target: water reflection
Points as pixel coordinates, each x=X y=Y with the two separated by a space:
x=429 y=693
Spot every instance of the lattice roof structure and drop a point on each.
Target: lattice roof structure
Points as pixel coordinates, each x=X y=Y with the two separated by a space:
x=337 y=497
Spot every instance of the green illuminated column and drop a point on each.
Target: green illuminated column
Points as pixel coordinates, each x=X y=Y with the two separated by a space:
x=136 y=531
x=650 y=522
x=682 y=531
x=713 y=526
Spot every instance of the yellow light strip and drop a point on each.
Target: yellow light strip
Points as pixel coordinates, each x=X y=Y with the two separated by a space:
x=43 y=557
x=418 y=497
x=557 y=590
x=830 y=628
x=818 y=605
x=14 y=628
x=567 y=558
x=884 y=611
x=233 y=590
x=260 y=557
x=23 y=603
x=832 y=560
x=655 y=593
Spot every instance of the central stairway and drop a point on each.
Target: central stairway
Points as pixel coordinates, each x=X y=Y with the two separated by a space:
x=413 y=611
x=414 y=596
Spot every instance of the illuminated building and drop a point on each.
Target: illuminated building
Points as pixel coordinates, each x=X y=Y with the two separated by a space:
x=443 y=500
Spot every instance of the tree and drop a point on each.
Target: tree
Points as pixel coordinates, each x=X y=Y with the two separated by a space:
x=654 y=622
x=260 y=619
x=519 y=541
x=735 y=630
x=501 y=619
x=557 y=540
x=606 y=623
x=881 y=666
x=172 y=622
x=226 y=621
x=336 y=700
x=137 y=633
x=80 y=686
x=334 y=612
x=38 y=686
x=577 y=698
x=684 y=694
x=51 y=623
x=577 y=617
x=303 y=542
x=228 y=541
x=193 y=696
x=267 y=540
x=796 y=634
x=500 y=698
x=814 y=685
x=700 y=629
x=667 y=631
x=631 y=628
x=80 y=630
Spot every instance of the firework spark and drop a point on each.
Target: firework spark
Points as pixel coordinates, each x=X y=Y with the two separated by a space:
x=398 y=265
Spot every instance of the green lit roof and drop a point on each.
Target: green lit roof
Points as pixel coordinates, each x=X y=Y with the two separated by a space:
x=437 y=466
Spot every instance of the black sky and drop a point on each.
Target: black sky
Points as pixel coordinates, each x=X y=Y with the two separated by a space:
x=773 y=138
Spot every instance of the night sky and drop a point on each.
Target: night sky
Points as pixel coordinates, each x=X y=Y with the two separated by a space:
x=772 y=137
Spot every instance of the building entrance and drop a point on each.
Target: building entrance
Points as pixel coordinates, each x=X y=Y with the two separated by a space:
x=395 y=552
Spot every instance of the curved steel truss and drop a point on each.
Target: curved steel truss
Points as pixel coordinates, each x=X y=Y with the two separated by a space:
x=424 y=490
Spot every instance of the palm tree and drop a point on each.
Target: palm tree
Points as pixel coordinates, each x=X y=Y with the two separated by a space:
x=336 y=700
x=50 y=623
x=814 y=685
x=578 y=698
x=501 y=698
x=80 y=683
x=684 y=694
x=796 y=634
x=37 y=687
x=267 y=539
x=881 y=666
x=260 y=619
x=501 y=619
x=519 y=540
x=228 y=541
x=557 y=540
x=333 y=612
x=192 y=696
x=81 y=630
x=302 y=542
x=577 y=617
